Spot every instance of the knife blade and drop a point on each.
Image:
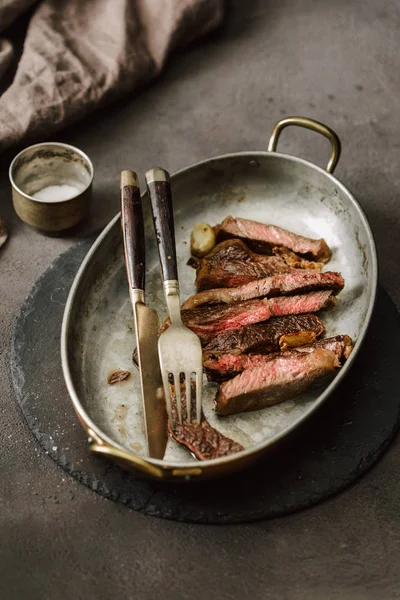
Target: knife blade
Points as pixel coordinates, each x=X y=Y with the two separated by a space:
x=146 y=319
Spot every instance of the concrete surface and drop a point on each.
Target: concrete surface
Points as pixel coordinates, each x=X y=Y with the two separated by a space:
x=335 y=61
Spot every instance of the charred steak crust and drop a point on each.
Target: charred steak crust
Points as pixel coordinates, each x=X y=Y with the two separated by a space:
x=232 y=263
x=271 y=235
x=279 y=379
x=294 y=260
x=297 y=282
x=204 y=441
x=263 y=337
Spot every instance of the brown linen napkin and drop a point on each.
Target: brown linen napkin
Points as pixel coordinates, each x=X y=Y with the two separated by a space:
x=81 y=54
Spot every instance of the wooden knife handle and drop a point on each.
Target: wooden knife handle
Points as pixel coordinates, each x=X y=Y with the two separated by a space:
x=159 y=188
x=132 y=230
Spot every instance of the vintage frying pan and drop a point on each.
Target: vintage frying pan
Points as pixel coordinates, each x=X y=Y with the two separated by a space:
x=97 y=330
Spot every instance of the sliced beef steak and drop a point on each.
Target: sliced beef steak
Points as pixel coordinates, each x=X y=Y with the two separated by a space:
x=232 y=263
x=264 y=337
x=226 y=366
x=213 y=319
x=296 y=282
x=271 y=235
x=295 y=261
x=201 y=439
x=279 y=379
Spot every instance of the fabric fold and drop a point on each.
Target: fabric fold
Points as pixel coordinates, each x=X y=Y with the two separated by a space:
x=78 y=56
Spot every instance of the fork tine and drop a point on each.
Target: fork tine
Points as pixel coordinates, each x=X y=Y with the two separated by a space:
x=199 y=394
x=177 y=387
x=188 y=397
x=167 y=390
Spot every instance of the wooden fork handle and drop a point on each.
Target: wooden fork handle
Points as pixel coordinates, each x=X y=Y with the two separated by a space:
x=159 y=189
x=132 y=230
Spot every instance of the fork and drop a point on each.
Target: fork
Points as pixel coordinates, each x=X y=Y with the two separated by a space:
x=179 y=348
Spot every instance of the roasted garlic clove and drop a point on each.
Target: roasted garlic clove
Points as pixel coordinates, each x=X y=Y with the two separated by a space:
x=202 y=239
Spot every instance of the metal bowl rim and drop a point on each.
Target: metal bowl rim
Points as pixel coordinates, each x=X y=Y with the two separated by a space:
x=59 y=144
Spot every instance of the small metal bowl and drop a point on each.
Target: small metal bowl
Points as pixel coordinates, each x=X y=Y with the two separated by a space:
x=37 y=168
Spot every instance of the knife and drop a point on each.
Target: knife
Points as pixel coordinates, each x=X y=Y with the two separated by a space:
x=146 y=319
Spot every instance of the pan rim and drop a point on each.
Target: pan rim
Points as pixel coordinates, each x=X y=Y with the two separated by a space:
x=259 y=447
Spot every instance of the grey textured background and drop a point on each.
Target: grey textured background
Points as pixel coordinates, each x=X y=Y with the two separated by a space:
x=338 y=62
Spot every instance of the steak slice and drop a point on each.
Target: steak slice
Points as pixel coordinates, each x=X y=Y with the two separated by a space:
x=232 y=263
x=212 y=319
x=204 y=441
x=271 y=235
x=201 y=439
x=263 y=337
x=227 y=366
x=298 y=282
x=279 y=379
x=293 y=260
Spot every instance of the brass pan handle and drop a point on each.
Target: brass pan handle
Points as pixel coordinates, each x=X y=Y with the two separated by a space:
x=99 y=446
x=126 y=459
x=314 y=126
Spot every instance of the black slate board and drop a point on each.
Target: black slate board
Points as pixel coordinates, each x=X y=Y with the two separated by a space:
x=334 y=447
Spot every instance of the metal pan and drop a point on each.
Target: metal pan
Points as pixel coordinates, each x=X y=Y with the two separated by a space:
x=97 y=330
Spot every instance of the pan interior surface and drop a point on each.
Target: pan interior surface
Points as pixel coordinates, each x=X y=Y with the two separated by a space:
x=266 y=187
